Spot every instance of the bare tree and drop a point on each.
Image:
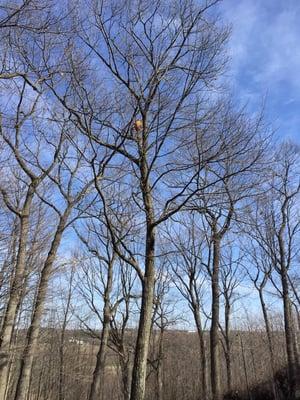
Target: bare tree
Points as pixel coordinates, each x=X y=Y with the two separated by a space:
x=114 y=118
x=73 y=184
x=275 y=235
x=231 y=277
x=142 y=74
x=98 y=243
x=12 y=132
x=66 y=316
x=164 y=318
x=189 y=266
x=259 y=271
x=121 y=341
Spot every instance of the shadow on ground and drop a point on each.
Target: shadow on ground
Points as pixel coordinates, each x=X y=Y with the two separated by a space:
x=264 y=391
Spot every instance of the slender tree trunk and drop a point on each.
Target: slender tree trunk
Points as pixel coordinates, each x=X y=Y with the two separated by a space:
x=270 y=341
x=39 y=385
x=295 y=339
x=96 y=390
x=228 y=369
x=202 y=352
x=61 y=365
x=14 y=295
x=245 y=366
x=287 y=310
x=126 y=371
x=139 y=370
x=288 y=324
x=10 y=261
x=31 y=343
x=228 y=343
x=144 y=330
x=214 y=330
x=228 y=364
x=159 y=370
x=62 y=343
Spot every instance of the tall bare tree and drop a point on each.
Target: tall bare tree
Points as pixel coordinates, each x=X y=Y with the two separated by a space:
x=259 y=271
x=231 y=278
x=276 y=234
x=73 y=184
x=34 y=169
x=189 y=266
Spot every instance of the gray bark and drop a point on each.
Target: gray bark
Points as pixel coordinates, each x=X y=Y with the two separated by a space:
x=203 y=366
x=214 y=330
x=270 y=341
x=34 y=329
x=14 y=295
x=96 y=391
x=287 y=310
x=142 y=344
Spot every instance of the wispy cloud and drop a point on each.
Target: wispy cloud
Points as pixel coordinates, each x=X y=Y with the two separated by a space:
x=265 y=56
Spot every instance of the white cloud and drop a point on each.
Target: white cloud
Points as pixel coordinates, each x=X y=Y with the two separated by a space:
x=265 y=41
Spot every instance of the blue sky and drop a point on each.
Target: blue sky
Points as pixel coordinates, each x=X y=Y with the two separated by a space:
x=265 y=59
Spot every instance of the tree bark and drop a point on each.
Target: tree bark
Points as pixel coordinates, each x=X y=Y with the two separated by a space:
x=159 y=370
x=288 y=323
x=96 y=390
x=288 y=333
x=14 y=296
x=214 y=330
x=228 y=345
x=125 y=363
x=202 y=352
x=144 y=330
x=62 y=343
x=34 y=329
x=139 y=371
x=270 y=341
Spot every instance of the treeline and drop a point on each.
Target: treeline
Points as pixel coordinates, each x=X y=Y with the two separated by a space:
x=138 y=197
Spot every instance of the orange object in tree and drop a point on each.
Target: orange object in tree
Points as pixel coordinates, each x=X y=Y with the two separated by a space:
x=138 y=125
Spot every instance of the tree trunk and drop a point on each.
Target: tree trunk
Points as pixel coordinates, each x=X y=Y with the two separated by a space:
x=295 y=339
x=270 y=342
x=228 y=369
x=288 y=324
x=214 y=330
x=14 y=295
x=10 y=260
x=245 y=366
x=143 y=337
x=62 y=343
x=202 y=352
x=96 y=390
x=31 y=343
x=159 y=370
x=125 y=363
x=227 y=341
x=139 y=370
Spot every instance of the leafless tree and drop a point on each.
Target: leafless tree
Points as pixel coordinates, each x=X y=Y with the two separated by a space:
x=259 y=271
x=66 y=316
x=73 y=184
x=231 y=278
x=189 y=266
x=141 y=72
x=275 y=234
x=164 y=317
x=113 y=123
x=34 y=170
x=98 y=244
